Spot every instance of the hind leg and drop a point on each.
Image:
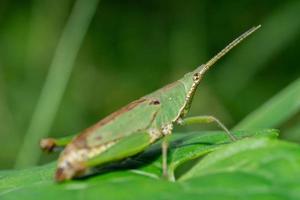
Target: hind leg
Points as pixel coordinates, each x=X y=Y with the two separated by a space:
x=106 y=153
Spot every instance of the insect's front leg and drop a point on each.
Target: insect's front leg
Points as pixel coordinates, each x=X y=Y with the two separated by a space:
x=51 y=144
x=204 y=120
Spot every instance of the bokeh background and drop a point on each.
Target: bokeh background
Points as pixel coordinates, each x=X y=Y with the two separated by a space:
x=130 y=48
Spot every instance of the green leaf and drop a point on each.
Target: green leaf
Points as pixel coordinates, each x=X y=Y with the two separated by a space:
x=252 y=166
x=275 y=111
x=267 y=167
x=185 y=147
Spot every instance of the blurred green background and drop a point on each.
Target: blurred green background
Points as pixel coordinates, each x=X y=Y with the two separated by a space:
x=130 y=49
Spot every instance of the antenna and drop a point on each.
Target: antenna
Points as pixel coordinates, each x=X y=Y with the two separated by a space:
x=224 y=51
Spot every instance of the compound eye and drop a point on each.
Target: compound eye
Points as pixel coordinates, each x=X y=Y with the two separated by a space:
x=196 y=76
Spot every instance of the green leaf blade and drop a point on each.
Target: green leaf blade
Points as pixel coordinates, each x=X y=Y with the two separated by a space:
x=256 y=167
x=275 y=111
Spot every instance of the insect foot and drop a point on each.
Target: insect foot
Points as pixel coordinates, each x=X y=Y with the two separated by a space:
x=47 y=144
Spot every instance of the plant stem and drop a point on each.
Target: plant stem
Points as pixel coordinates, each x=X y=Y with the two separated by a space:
x=56 y=81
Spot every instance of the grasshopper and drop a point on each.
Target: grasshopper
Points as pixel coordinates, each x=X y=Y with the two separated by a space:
x=136 y=126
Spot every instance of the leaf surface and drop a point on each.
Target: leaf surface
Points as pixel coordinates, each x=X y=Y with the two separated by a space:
x=256 y=167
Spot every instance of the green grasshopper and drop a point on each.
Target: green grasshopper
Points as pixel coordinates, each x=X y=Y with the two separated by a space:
x=135 y=127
